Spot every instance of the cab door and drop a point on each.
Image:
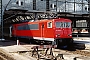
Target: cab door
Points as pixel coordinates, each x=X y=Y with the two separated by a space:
x=42 y=31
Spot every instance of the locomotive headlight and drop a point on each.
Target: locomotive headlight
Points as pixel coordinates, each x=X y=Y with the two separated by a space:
x=58 y=35
x=70 y=35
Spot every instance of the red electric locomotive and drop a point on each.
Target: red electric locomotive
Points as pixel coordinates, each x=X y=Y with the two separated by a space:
x=55 y=30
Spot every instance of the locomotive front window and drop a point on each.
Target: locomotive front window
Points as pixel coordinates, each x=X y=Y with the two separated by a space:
x=68 y=24
x=63 y=24
x=57 y=24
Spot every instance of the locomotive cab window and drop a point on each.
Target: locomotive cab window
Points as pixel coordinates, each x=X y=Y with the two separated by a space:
x=49 y=25
x=59 y=24
x=63 y=24
x=68 y=24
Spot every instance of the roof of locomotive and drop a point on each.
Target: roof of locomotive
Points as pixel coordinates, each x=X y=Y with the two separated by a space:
x=63 y=19
x=45 y=20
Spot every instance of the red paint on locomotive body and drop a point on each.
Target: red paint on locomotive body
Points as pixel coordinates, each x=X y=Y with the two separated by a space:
x=48 y=30
x=65 y=30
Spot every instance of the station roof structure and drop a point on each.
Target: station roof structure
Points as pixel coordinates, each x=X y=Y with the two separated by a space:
x=17 y=15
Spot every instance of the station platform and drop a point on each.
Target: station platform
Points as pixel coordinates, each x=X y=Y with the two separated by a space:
x=12 y=49
x=83 y=40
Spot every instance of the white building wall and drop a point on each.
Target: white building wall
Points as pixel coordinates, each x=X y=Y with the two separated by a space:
x=41 y=5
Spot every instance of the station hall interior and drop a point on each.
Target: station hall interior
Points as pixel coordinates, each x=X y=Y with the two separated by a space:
x=22 y=10
x=70 y=41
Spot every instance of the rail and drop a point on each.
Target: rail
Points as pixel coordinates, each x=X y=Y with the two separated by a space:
x=47 y=47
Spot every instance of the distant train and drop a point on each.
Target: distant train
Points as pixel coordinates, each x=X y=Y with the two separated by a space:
x=57 y=31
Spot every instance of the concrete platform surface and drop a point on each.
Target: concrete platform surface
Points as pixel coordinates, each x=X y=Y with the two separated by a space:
x=70 y=56
x=11 y=48
x=83 y=40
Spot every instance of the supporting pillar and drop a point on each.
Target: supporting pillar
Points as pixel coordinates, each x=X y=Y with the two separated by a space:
x=18 y=42
x=89 y=16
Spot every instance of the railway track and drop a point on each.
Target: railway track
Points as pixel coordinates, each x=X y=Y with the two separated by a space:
x=80 y=52
x=59 y=55
x=83 y=53
x=80 y=49
x=41 y=54
x=76 y=51
x=4 y=56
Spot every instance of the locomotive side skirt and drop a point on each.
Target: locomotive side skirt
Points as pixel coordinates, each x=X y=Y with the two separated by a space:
x=47 y=39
